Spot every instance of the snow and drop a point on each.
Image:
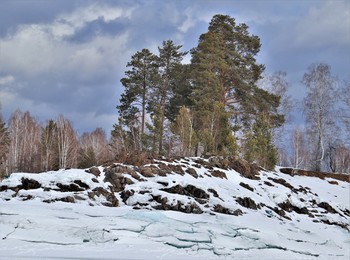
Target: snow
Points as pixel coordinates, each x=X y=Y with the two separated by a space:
x=33 y=229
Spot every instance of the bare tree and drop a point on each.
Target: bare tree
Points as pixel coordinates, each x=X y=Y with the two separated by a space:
x=319 y=110
x=277 y=84
x=94 y=148
x=4 y=145
x=345 y=110
x=67 y=143
x=183 y=127
x=49 y=146
x=24 y=150
x=299 y=156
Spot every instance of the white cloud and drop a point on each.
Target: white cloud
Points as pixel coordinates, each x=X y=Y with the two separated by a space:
x=6 y=80
x=39 y=49
x=325 y=25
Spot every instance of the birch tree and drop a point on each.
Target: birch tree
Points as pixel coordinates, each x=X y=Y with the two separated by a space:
x=94 y=148
x=319 y=110
x=183 y=127
x=299 y=156
x=4 y=145
x=67 y=143
x=49 y=146
x=24 y=149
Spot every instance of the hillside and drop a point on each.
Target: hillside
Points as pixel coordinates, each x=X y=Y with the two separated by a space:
x=187 y=208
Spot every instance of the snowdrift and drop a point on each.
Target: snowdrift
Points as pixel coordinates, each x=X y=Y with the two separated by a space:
x=185 y=208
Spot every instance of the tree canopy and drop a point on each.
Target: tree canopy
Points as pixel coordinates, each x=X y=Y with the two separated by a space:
x=218 y=89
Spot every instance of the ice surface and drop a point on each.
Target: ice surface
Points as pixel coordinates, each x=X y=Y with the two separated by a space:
x=33 y=229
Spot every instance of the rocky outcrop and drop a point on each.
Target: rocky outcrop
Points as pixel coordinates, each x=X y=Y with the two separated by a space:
x=321 y=175
x=247 y=203
x=250 y=171
x=191 y=185
x=188 y=190
x=118 y=180
x=94 y=170
x=29 y=184
x=220 y=209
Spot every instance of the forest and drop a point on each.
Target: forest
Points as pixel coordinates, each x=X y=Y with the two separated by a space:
x=220 y=104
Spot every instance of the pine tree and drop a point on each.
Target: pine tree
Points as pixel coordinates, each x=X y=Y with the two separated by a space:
x=181 y=91
x=140 y=78
x=259 y=145
x=169 y=59
x=225 y=75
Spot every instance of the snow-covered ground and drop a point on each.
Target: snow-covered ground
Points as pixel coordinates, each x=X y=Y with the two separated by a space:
x=33 y=229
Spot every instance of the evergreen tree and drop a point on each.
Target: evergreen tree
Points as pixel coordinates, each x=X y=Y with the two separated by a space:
x=169 y=59
x=181 y=91
x=225 y=72
x=259 y=144
x=139 y=80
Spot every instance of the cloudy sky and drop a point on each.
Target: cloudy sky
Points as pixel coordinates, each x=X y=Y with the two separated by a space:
x=68 y=56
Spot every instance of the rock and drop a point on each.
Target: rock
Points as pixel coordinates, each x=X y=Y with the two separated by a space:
x=254 y=171
x=214 y=192
x=244 y=185
x=94 y=170
x=146 y=171
x=159 y=199
x=287 y=206
x=176 y=169
x=163 y=183
x=333 y=182
x=126 y=194
x=118 y=168
x=68 y=199
x=283 y=182
x=165 y=169
x=245 y=169
x=29 y=184
x=189 y=208
x=3 y=188
x=327 y=207
x=220 y=209
x=203 y=163
x=82 y=184
x=189 y=190
x=268 y=183
x=247 y=203
x=152 y=170
x=69 y=187
x=117 y=180
x=219 y=174
x=192 y=172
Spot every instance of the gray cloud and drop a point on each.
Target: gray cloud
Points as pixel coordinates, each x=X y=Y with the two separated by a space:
x=67 y=57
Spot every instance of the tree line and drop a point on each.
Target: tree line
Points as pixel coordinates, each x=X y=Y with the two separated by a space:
x=221 y=103
x=29 y=146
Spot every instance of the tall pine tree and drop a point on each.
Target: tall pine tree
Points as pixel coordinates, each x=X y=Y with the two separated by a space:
x=225 y=72
x=169 y=60
x=137 y=83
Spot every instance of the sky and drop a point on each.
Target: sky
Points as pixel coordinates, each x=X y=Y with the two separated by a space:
x=67 y=57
